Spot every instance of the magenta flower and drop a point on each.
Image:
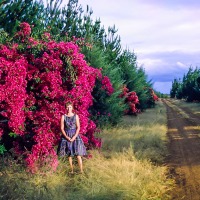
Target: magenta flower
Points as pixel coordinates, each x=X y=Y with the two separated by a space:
x=34 y=90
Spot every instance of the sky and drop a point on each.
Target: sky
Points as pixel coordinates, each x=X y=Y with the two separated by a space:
x=164 y=34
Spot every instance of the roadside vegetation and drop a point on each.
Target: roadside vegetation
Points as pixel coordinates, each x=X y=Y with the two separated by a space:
x=128 y=166
x=194 y=107
x=53 y=54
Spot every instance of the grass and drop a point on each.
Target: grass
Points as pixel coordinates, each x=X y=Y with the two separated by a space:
x=128 y=167
x=194 y=107
x=176 y=106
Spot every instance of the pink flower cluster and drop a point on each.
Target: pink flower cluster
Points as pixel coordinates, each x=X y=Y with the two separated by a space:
x=13 y=88
x=153 y=95
x=106 y=85
x=34 y=90
x=25 y=30
x=131 y=99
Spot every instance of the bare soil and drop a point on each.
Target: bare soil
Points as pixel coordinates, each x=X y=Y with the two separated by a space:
x=184 y=150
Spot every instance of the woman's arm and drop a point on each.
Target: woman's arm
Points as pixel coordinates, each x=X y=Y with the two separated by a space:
x=77 y=128
x=62 y=128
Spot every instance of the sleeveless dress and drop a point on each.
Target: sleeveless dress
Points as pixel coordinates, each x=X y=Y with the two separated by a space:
x=67 y=148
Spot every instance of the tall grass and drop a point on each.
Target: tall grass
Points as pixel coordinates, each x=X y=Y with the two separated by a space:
x=193 y=106
x=128 y=167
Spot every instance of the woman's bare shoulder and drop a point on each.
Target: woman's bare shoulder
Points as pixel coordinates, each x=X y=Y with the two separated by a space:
x=77 y=116
x=62 y=116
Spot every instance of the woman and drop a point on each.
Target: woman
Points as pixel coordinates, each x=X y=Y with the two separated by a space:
x=71 y=142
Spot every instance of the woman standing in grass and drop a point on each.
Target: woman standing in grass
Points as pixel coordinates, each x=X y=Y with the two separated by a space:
x=71 y=143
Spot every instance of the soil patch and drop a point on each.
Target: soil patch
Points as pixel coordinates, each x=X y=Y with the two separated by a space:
x=184 y=151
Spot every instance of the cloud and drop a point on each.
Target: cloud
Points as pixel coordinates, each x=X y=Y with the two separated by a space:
x=173 y=4
x=186 y=58
x=180 y=64
x=165 y=66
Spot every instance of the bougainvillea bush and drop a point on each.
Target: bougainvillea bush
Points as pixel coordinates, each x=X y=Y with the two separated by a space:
x=152 y=97
x=37 y=78
x=131 y=99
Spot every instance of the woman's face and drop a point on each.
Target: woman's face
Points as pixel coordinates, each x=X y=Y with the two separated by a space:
x=69 y=108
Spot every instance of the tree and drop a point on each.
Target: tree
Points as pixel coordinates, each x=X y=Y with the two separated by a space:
x=12 y=13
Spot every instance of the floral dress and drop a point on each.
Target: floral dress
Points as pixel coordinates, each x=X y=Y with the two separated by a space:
x=67 y=148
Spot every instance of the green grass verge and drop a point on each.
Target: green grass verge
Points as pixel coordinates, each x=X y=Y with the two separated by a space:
x=128 y=167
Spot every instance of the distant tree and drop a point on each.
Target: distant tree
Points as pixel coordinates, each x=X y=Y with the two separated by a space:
x=190 y=86
x=175 y=88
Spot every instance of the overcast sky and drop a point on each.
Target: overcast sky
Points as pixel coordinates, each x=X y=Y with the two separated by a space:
x=164 y=34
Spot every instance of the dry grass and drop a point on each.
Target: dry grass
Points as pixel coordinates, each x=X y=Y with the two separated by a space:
x=128 y=167
x=194 y=107
x=174 y=106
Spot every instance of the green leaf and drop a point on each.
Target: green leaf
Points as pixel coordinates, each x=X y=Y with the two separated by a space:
x=11 y=134
x=2 y=149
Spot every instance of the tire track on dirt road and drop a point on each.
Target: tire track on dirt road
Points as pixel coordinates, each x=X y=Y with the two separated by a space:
x=184 y=151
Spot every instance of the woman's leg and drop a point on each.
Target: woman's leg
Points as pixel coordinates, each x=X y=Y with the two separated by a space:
x=80 y=163
x=71 y=164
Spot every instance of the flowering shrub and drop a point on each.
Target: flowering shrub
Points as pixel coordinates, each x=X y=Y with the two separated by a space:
x=153 y=95
x=131 y=99
x=106 y=85
x=37 y=78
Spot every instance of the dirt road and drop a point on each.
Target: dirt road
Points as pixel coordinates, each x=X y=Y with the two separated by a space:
x=184 y=151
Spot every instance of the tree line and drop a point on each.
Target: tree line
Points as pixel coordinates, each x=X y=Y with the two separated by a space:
x=120 y=65
x=51 y=54
x=188 y=87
